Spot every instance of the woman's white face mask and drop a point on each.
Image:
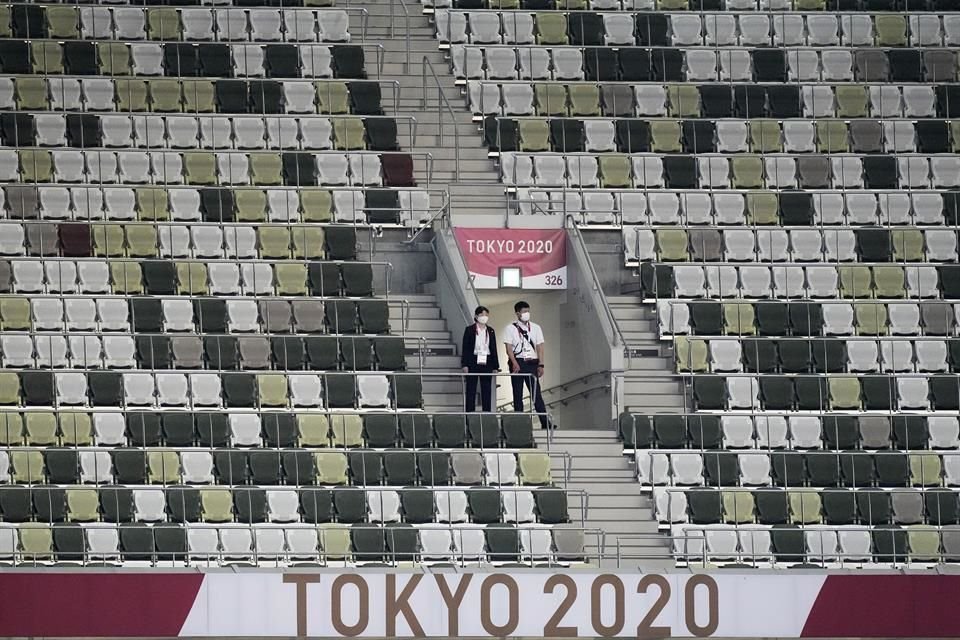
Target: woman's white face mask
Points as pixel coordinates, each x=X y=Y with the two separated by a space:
x=482 y=319
x=525 y=316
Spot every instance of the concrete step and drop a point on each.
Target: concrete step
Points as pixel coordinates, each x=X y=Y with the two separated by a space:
x=414 y=312
x=638 y=325
x=448 y=363
x=425 y=324
x=649 y=364
x=442 y=384
x=653 y=386
x=601 y=501
x=434 y=336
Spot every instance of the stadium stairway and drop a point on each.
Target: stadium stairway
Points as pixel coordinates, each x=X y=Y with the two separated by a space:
x=426 y=331
x=616 y=504
x=476 y=195
x=649 y=381
x=597 y=470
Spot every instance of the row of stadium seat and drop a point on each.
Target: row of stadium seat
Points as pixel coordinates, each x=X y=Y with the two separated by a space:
x=678 y=171
x=823 y=392
x=110 y=58
x=181 y=316
x=713 y=101
x=269 y=428
x=913 y=6
x=206 y=132
x=821 y=281
x=279 y=208
x=794 y=469
x=853 y=208
x=185 y=204
x=189 y=352
x=710 y=29
x=196 y=278
x=228 y=168
x=190 y=96
x=789 y=432
x=840 y=507
x=358 y=467
x=67 y=22
x=255 y=505
x=704 y=136
x=814 y=546
x=798 y=356
x=797 y=243
x=198 y=390
x=788 y=208
x=179 y=241
x=201 y=545
x=802 y=318
x=736 y=65
x=703 y=28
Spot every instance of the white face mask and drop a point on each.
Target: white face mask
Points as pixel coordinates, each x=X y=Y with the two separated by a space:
x=525 y=316
x=482 y=319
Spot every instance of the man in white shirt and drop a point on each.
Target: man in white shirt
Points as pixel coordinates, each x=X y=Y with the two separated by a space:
x=524 y=342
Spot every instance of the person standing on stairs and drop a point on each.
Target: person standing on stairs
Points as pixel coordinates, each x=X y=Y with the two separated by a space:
x=524 y=343
x=479 y=355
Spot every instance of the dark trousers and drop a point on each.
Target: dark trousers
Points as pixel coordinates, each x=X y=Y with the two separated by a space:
x=529 y=367
x=486 y=385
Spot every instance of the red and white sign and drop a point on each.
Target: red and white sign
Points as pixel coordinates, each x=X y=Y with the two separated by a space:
x=541 y=255
x=337 y=604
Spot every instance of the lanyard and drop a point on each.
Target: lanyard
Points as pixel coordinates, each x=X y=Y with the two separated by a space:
x=524 y=335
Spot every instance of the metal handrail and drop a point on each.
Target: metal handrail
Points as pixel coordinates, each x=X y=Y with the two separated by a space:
x=657 y=538
x=406 y=31
x=698 y=554
x=593 y=541
x=441 y=103
x=442 y=212
x=564 y=386
x=620 y=340
x=378 y=48
x=582 y=392
x=792 y=302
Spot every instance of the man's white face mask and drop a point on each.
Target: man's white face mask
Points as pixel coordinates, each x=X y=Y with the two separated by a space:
x=482 y=319
x=525 y=316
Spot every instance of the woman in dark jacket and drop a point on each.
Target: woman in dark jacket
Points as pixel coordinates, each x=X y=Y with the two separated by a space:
x=479 y=355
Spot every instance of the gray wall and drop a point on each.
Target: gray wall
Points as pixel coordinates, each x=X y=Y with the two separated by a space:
x=606 y=253
x=413 y=264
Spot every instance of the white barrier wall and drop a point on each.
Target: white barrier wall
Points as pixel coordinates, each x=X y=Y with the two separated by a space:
x=120 y=603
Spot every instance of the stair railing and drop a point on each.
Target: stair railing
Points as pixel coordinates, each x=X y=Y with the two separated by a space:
x=443 y=106
x=406 y=31
x=692 y=539
x=563 y=386
x=442 y=212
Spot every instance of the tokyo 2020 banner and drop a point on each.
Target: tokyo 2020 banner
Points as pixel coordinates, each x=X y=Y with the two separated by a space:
x=541 y=255
x=567 y=603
